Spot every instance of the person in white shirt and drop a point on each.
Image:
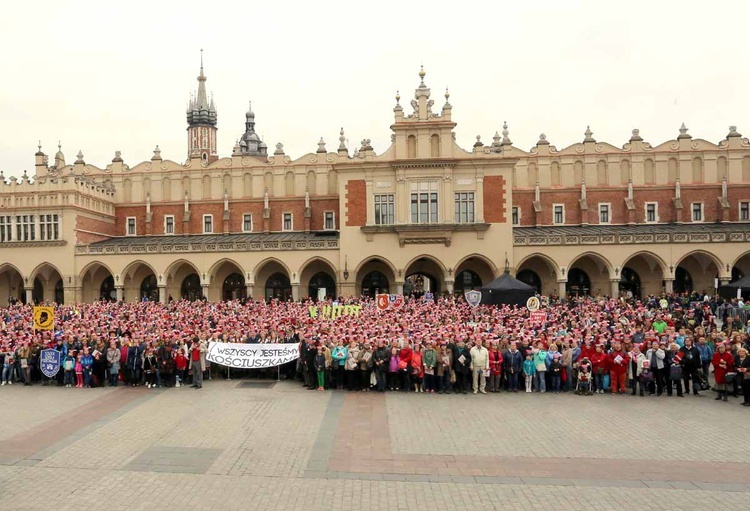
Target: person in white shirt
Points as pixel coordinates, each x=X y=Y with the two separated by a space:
x=480 y=363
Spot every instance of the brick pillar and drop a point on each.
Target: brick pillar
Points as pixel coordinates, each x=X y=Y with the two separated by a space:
x=308 y=216
x=266 y=220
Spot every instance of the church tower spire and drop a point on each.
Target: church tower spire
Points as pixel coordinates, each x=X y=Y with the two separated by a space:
x=201 y=120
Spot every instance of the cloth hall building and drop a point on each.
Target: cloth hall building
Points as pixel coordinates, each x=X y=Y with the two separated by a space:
x=424 y=215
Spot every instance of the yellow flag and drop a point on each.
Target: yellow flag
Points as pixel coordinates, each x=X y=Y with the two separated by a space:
x=44 y=318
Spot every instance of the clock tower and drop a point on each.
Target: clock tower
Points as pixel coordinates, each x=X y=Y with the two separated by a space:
x=201 y=119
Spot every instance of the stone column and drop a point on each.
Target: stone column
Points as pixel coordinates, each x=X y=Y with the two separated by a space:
x=29 y=296
x=162 y=293
x=399 y=288
x=249 y=290
x=614 y=287
x=668 y=285
x=347 y=289
x=72 y=294
x=449 y=287
x=204 y=290
x=119 y=293
x=561 y=288
x=295 y=292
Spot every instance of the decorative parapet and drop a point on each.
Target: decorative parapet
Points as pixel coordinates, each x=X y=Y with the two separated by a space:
x=181 y=248
x=541 y=238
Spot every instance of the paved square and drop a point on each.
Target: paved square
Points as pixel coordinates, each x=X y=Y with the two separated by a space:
x=234 y=446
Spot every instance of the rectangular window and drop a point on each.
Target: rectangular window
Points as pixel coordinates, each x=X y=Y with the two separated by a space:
x=49 y=229
x=208 y=224
x=288 y=223
x=464 y=207
x=697 y=211
x=247 y=223
x=424 y=203
x=515 y=216
x=6 y=228
x=385 y=210
x=130 y=229
x=603 y=213
x=329 y=221
x=169 y=224
x=558 y=214
x=652 y=212
x=25 y=228
x=744 y=210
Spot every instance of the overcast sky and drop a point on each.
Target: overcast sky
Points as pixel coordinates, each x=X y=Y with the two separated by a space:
x=102 y=78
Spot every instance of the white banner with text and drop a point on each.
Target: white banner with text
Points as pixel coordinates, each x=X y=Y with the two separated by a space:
x=251 y=356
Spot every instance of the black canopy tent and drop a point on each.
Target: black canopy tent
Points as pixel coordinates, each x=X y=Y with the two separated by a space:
x=730 y=290
x=507 y=289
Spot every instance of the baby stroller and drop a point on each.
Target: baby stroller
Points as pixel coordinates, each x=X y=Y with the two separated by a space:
x=583 y=385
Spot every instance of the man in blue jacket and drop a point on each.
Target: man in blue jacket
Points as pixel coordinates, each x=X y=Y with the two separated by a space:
x=512 y=364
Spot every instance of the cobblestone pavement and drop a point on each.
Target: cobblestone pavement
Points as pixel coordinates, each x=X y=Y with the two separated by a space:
x=231 y=447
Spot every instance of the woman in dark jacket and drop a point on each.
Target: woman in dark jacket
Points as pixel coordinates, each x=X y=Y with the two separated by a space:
x=380 y=358
x=691 y=363
x=462 y=366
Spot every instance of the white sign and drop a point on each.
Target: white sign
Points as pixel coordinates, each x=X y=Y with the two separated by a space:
x=251 y=356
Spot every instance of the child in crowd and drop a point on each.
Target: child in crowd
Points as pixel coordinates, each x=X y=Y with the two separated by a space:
x=181 y=363
x=529 y=370
x=79 y=371
x=555 y=369
x=320 y=368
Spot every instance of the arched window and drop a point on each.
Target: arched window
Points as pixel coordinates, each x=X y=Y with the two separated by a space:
x=127 y=191
x=578 y=172
x=191 y=288
x=435 y=146
x=333 y=183
x=533 y=175
x=206 y=187
x=59 y=292
x=247 y=185
x=234 y=287
x=107 y=289
x=312 y=183
x=289 y=184
x=624 y=172
x=374 y=283
x=555 y=177
x=649 y=172
x=630 y=282
x=268 y=183
x=579 y=283
x=411 y=146
x=322 y=284
x=278 y=287
x=601 y=173
x=721 y=169
x=149 y=289
x=166 y=189
x=697 y=170
x=466 y=280
x=531 y=278
x=672 y=170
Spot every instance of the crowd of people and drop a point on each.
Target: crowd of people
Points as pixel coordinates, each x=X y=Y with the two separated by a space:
x=670 y=345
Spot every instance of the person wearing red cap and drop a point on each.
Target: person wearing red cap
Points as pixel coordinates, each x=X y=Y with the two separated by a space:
x=599 y=364
x=618 y=368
